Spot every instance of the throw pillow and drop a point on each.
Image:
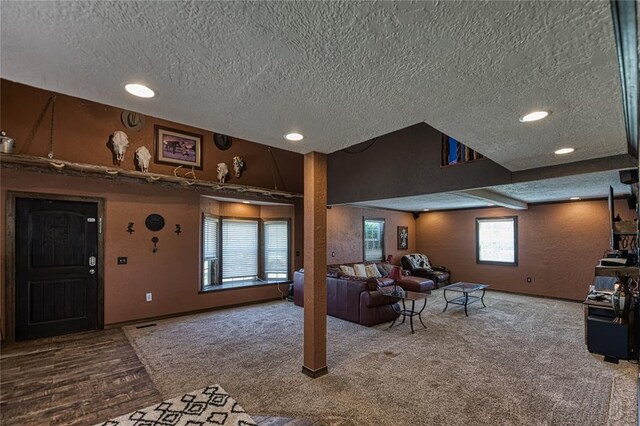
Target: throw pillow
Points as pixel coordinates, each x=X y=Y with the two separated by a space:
x=347 y=270
x=372 y=271
x=384 y=268
x=361 y=271
x=333 y=271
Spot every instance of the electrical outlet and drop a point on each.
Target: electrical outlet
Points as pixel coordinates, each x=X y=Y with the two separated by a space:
x=122 y=260
x=149 y=297
x=528 y=279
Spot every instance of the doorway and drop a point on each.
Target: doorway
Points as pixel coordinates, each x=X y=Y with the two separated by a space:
x=57 y=282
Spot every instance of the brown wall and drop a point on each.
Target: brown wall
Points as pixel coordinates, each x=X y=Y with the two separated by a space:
x=81 y=134
x=217 y=208
x=558 y=246
x=404 y=163
x=344 y=233
x=173 y=273
x=82 y=129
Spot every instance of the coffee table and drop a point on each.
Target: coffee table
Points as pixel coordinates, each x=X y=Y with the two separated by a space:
x=466 y=298
x=404 y=312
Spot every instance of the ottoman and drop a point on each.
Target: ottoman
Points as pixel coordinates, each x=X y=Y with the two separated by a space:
x=417 y=284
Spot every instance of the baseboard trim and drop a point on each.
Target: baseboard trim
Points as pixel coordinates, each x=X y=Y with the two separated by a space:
x=315 y=373
x=181 y=314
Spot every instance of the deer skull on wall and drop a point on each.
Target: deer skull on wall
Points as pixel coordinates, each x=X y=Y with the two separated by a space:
x=120 y=142
x=238 y=166
x=143 y=156
x=223 y=171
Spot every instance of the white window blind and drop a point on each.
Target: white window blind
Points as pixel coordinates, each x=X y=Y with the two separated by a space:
x=210 y=251
x=239 y=249
x=496 y=240
x=276 y=249
x=373 y=239
x=210 y=238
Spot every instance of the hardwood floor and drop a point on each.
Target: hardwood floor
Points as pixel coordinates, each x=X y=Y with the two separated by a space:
x=80 y=379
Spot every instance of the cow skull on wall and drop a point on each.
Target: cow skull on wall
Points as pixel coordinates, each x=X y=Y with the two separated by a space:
x=238 y=166
x=143 y=156
x=223 y=171
x=120 y=142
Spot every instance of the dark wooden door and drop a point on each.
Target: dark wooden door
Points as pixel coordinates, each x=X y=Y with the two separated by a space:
x=56 y=267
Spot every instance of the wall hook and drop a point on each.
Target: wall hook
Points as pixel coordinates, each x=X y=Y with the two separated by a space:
x=130 y=229
x=155 y=240
x=178 y=229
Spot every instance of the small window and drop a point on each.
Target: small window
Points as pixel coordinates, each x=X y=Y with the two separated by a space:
x=244 y=251
x=373 y=239
x=276 y=249
x=497 y=240
x=239 y=250
x=454 y=152
x=210 y=256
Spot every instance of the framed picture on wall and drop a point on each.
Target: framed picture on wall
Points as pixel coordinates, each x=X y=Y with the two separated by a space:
x=178 y=147
x=403 y=238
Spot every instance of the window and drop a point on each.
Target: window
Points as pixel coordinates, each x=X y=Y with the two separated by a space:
x=453 y=152
x=244 y=250
x=373 y=239
x=497 y=240
x=276 y=249
x=210 y=251
x=239 y=250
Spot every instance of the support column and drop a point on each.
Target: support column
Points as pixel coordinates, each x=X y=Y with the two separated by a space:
x=315 y=265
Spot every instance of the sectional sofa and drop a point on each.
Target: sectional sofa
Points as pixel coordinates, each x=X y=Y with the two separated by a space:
x=357 y=298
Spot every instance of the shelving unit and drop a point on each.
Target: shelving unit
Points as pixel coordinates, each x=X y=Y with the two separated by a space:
x=625 y=235
x=25 y=162
x=606 y=333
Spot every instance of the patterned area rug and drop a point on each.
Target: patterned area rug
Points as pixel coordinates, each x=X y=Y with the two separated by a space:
x=208 y=406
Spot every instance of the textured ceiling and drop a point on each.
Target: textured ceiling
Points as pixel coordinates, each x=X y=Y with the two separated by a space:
x=590 y=185
x=441 y=201
x=339 y=72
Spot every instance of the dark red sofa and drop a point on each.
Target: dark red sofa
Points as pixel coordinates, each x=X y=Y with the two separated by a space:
x=357 y=299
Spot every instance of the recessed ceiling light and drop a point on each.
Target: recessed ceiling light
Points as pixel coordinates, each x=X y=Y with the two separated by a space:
x=490 y=204
x=534 y=116
x=425 y=210
x=246 y=202
x=139 y=90
x=574 y=198
x=294 y=137
x=563 y=151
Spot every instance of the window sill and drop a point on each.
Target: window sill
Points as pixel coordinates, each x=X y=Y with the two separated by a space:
x=242 y=284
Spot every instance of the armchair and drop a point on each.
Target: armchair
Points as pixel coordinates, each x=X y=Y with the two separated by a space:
x=420 y=266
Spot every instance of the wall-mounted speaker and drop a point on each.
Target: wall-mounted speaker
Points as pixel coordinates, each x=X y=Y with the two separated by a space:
x=629 y=176
x=631 y=202
x=416 y=215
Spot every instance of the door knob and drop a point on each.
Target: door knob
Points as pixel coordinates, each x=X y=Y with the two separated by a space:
x=92 y=261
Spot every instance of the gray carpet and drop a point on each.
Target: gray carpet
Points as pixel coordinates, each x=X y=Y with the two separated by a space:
x=520 y=361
